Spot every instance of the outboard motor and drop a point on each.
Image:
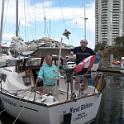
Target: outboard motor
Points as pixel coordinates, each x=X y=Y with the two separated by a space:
x=69 y=72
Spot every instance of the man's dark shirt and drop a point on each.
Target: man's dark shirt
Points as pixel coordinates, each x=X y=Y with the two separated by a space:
x=80 y=54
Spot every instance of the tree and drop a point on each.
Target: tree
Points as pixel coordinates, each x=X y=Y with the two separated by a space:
x=100 y=46
x=119 y=41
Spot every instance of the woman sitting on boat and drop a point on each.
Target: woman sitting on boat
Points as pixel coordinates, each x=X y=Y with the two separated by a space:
x=49 y=75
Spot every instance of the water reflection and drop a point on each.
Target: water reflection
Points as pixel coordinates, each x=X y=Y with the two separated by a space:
x=112 y=106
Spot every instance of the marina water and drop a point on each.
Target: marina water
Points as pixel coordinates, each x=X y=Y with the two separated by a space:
x=112 y=105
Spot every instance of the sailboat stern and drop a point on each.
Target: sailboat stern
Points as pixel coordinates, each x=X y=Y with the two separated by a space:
x=81 y=111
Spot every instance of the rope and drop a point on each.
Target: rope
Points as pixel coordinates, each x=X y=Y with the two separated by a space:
x=2 y=111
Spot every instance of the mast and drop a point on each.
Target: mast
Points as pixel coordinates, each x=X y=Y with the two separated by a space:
x=17 y=18
x=1 y=25
x=85 y=19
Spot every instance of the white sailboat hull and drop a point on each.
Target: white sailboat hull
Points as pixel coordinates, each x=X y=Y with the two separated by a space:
x=80 y=111
x=22 y=100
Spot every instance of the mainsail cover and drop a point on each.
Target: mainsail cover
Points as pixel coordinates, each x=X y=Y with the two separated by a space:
x=18 y=43
x=21 y=47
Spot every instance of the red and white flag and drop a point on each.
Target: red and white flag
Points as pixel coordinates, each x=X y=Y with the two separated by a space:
x=86 y=63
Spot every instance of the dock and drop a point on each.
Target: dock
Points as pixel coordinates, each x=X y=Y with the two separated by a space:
x=112 y=70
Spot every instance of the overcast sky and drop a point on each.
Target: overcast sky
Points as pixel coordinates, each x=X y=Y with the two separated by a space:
x=42 y=18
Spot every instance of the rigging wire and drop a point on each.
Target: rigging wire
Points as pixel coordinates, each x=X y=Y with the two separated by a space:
x=50 y=28
x=46 y=29
x=25 y=20
x=45 y=25
x=29 y=15
x=5 y=15
x=35 y=27
x=64 y=22
x=1 y=25
x=26 y=14
x=17 y=19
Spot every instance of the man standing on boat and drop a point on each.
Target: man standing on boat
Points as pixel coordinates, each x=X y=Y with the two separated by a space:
x=81 y=53
x=49 y=75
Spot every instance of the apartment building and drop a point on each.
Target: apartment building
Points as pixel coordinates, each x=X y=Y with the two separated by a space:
x=109 y=20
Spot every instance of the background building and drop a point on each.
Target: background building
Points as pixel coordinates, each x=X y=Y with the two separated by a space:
x=109 y=20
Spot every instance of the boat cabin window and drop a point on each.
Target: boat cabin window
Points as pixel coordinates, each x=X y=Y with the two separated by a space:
x=20 y=65
x=4 y=50
x=3 y=77
x=27 y=80
x=11 y=62
x=32 y=63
